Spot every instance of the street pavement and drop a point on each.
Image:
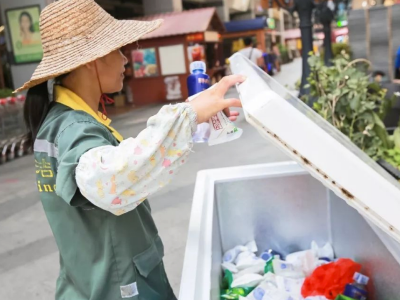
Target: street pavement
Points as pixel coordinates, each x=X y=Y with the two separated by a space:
x=29 y=259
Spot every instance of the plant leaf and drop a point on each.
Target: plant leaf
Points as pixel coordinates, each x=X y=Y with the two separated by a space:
x=380 y=131
x=396 y=138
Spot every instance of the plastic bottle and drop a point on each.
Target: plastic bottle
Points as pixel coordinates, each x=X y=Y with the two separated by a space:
x=305 y=260
x=358 y=289
x=325 y=252
x=219 y=129
x=286 y=269
x=197 y=82
x=270 y=253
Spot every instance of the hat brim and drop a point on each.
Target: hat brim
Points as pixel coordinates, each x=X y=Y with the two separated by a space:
x=67 y=58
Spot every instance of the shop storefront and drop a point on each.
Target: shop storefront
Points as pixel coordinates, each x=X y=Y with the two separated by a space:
x=236 y=31
x=159 y=62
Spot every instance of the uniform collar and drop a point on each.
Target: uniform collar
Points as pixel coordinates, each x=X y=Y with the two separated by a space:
x=73 y=101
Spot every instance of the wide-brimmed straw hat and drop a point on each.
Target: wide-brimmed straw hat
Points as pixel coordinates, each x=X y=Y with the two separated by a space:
x=77 y=32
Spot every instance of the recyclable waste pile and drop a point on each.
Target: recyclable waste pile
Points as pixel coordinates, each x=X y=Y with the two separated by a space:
x=313 y=274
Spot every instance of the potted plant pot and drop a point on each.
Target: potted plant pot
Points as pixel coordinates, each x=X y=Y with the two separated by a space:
x=390 y=169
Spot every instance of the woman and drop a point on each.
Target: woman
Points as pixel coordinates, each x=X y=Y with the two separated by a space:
x=93 y=183
x=26 y=28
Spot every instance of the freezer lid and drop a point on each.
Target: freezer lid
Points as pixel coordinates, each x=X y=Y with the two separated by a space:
x=320 y=148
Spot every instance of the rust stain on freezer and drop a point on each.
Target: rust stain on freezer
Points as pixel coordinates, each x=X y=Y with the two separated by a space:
x=322 y=173
x=306 y=161
x=347 y=193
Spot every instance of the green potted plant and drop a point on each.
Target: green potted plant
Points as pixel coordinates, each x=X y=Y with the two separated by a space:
x=391 y=157
x=4 y=93
x=345 y=96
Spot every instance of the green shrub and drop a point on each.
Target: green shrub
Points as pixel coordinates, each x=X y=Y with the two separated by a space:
x=4 y=93
x=338 y=49
x=392 y=156
x=346 y=98
x=283 y=50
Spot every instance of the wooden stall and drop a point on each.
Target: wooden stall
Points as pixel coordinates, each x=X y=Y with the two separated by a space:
x=159 y=62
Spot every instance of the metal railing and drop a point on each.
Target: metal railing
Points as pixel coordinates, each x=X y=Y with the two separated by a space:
x=13 y=142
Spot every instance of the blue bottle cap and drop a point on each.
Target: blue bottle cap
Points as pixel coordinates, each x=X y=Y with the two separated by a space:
x=266 y=256
x=273 y=252
x=198 y=65
x=360 y=278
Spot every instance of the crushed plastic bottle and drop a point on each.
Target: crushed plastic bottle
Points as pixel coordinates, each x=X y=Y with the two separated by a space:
x=305 y=275
x=358 y=289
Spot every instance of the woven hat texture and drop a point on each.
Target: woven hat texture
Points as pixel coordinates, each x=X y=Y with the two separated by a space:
x=76 y=32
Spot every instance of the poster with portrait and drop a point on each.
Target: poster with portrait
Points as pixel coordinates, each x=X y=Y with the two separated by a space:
x=144 y=63
x=196 y=53
x=173 y=88
x=23 y=28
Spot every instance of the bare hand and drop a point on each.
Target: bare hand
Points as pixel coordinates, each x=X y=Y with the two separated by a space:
x=211 y=101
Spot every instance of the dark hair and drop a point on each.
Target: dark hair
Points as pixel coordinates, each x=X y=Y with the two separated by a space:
x=37 y=106
x=378 y=73
x=248 y=41
x=28 y=15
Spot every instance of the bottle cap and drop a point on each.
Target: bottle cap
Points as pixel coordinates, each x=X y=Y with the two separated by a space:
x=266 y=256
x=360 y=278
x=198 y=65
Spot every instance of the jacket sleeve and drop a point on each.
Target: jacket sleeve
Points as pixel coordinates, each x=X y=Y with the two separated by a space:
x=119 y=178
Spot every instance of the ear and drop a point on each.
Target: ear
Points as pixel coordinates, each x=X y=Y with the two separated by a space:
x=90 y=66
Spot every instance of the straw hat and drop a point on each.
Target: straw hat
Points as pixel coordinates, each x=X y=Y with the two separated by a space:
x=76 y=32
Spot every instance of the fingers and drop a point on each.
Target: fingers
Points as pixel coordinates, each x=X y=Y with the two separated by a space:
x=227 y=82
x=227 y=112
x=233 y=119
x=232 y=102
x=231 y=114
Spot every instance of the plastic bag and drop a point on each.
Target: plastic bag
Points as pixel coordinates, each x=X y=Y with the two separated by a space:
x=330 y=280
x=218 y=130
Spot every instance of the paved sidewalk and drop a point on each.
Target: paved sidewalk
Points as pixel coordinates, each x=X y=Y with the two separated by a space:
x=28 y=254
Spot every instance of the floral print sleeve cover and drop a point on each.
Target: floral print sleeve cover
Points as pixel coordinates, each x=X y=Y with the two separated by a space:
x=118 y=179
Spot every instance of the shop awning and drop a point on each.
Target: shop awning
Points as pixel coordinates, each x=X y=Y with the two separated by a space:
x=186 y=22
x=246 y=25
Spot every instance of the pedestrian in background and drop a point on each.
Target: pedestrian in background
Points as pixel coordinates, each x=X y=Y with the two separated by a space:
x=254 y=54
x=268 y=58
x=277 y=56
x=93 y=183
x=397 y=65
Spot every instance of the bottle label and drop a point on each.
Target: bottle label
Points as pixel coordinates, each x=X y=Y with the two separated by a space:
x=216 y=123
x=203 y=81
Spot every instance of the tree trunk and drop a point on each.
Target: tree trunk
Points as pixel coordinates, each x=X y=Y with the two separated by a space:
x=306 y=48
x=328 y=54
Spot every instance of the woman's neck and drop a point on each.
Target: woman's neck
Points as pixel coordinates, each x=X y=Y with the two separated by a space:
x=85 y=89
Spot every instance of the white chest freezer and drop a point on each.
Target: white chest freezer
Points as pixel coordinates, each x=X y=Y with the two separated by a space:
x=335 y=194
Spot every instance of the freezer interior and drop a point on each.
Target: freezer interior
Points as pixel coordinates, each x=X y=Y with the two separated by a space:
x=287 y=212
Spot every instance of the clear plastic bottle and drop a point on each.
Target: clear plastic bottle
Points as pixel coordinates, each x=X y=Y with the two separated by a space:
x=197 y=82
x=358 y=289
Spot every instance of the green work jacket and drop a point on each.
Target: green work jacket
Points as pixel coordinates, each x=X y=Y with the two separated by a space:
x=102 y=256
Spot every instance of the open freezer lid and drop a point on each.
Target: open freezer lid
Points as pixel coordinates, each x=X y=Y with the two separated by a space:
x=319 y=147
